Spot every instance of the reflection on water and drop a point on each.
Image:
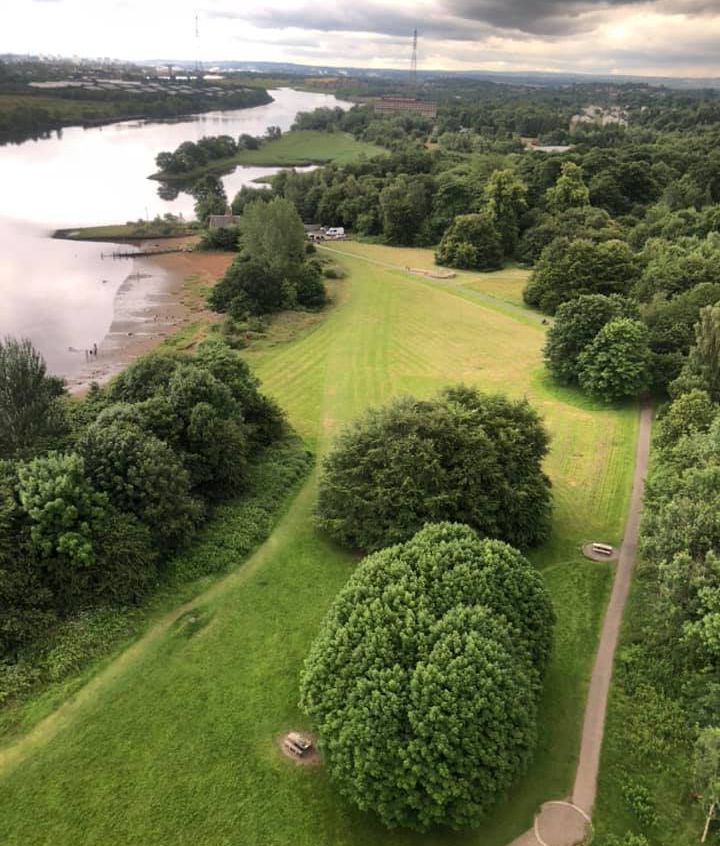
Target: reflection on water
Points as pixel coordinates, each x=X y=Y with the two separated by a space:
x=58 y=293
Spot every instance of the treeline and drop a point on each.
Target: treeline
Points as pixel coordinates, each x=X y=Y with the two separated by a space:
x=35 y=114
x=97 y=495
x=191 y=155
x=616 y=216
x=663 y=751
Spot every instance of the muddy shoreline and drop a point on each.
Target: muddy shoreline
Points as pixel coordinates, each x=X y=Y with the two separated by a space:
x=151 y=305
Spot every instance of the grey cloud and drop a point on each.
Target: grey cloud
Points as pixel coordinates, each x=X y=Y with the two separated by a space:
x=462 y=20
x=564 y=17
x=369 y=18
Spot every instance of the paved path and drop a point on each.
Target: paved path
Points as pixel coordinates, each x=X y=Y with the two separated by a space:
x=567 y=823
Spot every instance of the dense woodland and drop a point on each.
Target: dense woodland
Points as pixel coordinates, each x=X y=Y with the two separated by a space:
x=97 y=495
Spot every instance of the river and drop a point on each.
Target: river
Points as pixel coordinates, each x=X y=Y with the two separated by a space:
x=62 y=294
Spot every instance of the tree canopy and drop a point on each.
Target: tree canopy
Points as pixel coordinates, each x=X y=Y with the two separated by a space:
x=462 y=456
x=615 y=365
x=471 y=242
x=425 y=676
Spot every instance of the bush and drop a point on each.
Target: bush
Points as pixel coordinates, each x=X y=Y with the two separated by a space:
x=423 y=691
x=639 y=800
x=462 y=456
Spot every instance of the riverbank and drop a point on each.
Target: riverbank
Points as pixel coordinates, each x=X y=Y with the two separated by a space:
x=300 y=148
x=162 y=301
x=29 y=115
x=126 y=232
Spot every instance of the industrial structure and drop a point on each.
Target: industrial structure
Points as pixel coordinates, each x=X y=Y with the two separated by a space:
x=391 y=105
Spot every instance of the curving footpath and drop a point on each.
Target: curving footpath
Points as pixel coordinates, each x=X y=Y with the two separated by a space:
x=567 y=823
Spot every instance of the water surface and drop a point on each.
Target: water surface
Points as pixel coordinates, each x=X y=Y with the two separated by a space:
x=60 y=294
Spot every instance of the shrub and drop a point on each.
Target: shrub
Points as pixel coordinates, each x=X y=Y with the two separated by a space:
x=424 y=692
x=461 y=456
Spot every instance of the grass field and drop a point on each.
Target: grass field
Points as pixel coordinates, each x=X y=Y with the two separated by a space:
x=179 y=745
x=293 y=149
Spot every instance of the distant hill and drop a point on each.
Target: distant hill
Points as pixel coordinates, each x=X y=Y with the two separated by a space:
x=523 y=77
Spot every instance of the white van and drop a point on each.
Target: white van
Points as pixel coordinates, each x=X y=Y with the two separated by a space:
x=335 y=232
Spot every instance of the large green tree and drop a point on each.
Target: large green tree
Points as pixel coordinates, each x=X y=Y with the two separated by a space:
x=462 y=456
x=30 y=413
x=576 y=324
x=616 y=364
x=702 y=369
x=405 y=204
x=142 y=476
x=425 y=677
x=506 y=197
x=272 y=234
x=472 y=242
x=569 y=268
x=570 y=190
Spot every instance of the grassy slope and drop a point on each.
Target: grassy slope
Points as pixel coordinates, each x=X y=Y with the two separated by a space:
x=180 y=747
x=293 y=149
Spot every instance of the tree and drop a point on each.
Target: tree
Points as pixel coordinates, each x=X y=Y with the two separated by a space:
x=26 y=610
x=424 y=692
x=462 y=456
x=569 y=268
x=577 y=322
x=405 y=206
x=689 y=414
x=64 y=512
x=141 y=475
x=707 y=774
x=30 y=413
x=702 y=369
x=615 y=365
x=570 y=191
x=506 y=198
x=210 y=198
x=272 y=235
x=471 y=242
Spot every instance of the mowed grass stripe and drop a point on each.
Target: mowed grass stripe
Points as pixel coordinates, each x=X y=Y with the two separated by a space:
x=180 y=747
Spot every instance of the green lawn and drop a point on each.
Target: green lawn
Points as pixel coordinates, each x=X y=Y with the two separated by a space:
x=179 y=744
x=293 y=149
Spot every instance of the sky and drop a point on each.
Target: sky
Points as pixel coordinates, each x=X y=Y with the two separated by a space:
x=643 y=37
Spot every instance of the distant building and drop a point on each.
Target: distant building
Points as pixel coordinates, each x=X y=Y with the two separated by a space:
x=222 y=221
x=400 y=105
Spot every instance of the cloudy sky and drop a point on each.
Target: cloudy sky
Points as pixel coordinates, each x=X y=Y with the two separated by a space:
x=649 y=37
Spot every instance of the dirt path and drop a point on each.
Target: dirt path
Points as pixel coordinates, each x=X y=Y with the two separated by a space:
x=566 y=823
